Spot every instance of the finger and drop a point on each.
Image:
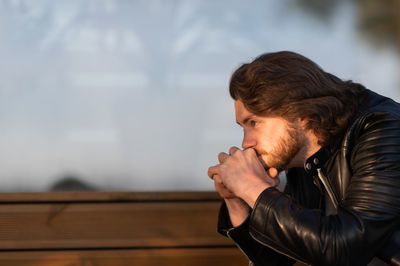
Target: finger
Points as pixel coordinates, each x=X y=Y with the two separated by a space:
x=233 y=149
x=220 y=187
x=272 y=172
x=250 y=150
x=217 y=179
x=213 y=170
x=222 y=156
x=223 y=191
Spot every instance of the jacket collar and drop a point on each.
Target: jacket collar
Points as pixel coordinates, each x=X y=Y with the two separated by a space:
x=317 y=160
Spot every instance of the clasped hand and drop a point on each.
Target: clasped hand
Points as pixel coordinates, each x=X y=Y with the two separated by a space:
x=241 y=174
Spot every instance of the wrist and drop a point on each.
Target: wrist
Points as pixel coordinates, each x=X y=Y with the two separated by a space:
x=252 y=194
x=238 y=210
x=236 y=204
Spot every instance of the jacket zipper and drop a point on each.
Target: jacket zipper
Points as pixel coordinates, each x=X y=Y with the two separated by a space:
x=328 y=187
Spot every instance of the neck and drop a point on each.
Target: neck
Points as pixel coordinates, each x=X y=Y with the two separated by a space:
x=312 y=146
x=309 y=147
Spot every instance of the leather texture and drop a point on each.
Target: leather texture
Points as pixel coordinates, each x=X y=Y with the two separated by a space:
x=358 y=220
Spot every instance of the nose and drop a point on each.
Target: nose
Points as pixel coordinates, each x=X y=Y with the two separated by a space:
x=248 y=141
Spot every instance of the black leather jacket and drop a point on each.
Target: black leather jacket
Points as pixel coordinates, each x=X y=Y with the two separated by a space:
x=343 y=208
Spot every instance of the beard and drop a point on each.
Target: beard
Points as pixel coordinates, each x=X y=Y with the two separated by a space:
x=285 y=149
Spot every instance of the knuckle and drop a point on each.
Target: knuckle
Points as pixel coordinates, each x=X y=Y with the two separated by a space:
x=212 y=170
x=233 y=150
x=249 y=151
x=221 y=156
x=238 y=154
x=209 y=173
x=223 y=170
x=222 y=167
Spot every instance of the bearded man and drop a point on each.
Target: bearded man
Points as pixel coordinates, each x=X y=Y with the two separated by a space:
x=339 y=144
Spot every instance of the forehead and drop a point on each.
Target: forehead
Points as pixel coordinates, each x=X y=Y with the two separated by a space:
x=239 y=108
x=241 y=111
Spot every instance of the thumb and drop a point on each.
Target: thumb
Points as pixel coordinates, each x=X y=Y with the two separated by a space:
x=272 y=172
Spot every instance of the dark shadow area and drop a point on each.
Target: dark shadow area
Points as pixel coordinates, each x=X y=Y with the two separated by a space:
x=71 y=183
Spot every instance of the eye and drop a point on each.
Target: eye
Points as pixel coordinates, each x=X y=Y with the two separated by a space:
x=253 y=123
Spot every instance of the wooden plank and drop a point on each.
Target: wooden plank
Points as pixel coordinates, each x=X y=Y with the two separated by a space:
x=108 y=225
x=99 y=196
x=150 y=257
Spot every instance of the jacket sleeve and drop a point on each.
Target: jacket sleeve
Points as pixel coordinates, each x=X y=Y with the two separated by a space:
x=366 y=217
x=257 y=253
x=297 y=181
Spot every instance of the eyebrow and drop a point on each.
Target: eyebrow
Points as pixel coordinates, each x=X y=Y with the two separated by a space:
x=245 y=120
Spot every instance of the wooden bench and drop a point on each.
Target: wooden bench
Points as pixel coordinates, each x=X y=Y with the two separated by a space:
x=113 y=229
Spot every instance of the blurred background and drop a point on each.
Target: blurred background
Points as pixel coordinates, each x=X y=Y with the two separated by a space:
x=133 y=95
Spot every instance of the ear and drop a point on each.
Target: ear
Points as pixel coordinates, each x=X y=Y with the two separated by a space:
x=309 y=132
x=303 y=122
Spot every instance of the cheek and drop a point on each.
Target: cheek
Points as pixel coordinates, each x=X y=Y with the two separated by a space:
x=268 y=142
x=276 y=133
x=264 y=144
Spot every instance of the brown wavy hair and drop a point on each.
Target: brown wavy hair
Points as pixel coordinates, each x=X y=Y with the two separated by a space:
x=289 y=85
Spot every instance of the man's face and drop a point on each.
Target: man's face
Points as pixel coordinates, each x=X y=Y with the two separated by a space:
x=276 y=141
